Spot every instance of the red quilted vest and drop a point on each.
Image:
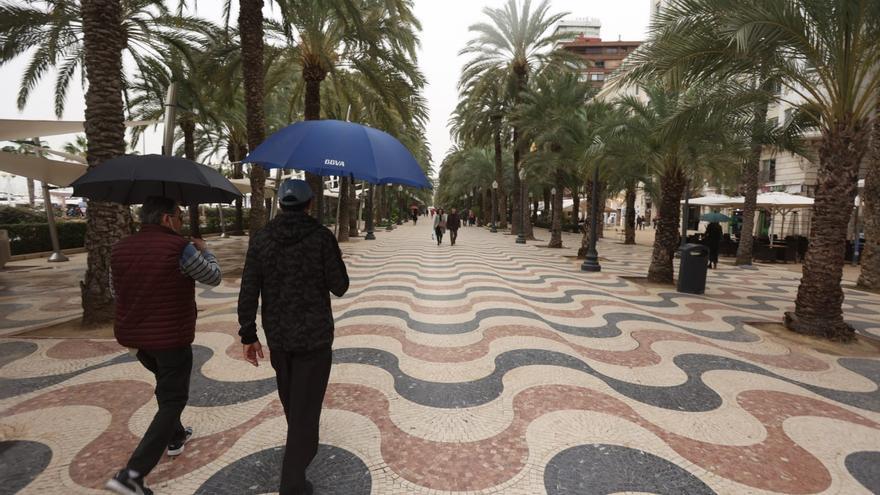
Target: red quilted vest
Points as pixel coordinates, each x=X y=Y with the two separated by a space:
x=155 y=302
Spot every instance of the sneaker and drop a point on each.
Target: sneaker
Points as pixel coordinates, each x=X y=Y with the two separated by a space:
x=126 y=484
x=176 y=448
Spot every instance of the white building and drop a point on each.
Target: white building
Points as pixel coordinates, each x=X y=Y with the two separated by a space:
x=584 y=27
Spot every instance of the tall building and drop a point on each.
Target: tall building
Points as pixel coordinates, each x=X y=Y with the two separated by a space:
x=571 y=29
x=603 y=57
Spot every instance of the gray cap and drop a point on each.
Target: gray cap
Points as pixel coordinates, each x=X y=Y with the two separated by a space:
x=294 y=192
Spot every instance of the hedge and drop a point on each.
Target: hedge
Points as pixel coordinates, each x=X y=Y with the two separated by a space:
x=34 y=237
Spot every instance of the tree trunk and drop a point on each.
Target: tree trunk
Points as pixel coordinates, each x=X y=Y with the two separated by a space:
x=750 y=186
x=667 y=236
x=516 y=195
x=250 y=27
x=818 y=307
x=556 y=228
x=313 y=76
x=342 y=228
x=869 y=277
x=106 y=223
x=188 y=126
x=630 y=221
x=353 y=210
x=501 y=192
x=575 y=206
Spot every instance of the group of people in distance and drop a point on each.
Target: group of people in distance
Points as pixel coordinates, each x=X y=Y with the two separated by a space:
x=292 y=265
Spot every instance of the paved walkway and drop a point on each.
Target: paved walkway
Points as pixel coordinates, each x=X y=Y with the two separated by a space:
x=487 y=367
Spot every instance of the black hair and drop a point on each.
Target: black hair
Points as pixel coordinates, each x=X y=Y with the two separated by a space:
x=156 y=206
x=296 y=208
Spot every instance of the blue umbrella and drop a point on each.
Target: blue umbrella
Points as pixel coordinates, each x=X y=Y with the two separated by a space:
x=715 y=217
x=333 y=147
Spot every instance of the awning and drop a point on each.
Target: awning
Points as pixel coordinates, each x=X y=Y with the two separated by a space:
x=53 y=172
x=13 y=129
x=709 y=200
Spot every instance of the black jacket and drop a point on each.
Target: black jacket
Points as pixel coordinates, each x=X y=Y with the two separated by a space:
x=293 y=264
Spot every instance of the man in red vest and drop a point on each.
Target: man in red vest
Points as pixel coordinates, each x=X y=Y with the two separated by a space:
x=293 y=264
x=152 y=277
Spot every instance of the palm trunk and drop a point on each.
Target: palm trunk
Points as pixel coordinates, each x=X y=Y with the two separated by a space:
x=188 y=126
x=516 y=195
x=750 y=186
x=630 y=222
x=500 y=193
x=818 y=307
x=667 y=236
x=352 y=211
x=575 y=207
x=106 y=223
x=869 y=277
x=313 y=77
x=343 y=227
x=250 y=25
x=556 y=229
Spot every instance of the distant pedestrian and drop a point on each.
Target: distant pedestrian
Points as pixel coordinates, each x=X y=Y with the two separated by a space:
x=293 y=264
x=453 y=222
x=713 y=236
x=152 y=278
x=472 y=219
x=439 y=225
x=640 y=222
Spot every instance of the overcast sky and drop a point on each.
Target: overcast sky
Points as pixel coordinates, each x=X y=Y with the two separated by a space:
x=445 y=31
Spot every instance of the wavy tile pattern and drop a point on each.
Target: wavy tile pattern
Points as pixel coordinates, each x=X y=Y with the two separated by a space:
x=488 y=367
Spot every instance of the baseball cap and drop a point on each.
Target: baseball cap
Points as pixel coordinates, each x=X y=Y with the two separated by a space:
x=294 y=192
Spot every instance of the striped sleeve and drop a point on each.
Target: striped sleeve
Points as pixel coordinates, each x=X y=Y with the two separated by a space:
x=201 y=267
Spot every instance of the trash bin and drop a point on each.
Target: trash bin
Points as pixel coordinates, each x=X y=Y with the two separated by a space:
x=692 y=270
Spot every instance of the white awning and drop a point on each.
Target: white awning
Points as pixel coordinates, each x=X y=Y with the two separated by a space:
x=710 y=200
x=12 y=129
x=53 y=172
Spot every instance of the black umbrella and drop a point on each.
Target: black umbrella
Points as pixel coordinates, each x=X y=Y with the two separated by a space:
x=130 y=179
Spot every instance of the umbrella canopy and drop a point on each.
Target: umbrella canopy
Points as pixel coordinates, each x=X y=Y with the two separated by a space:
x=714 y=217
x=710 y=200
x=333 y=147
x=130 y=179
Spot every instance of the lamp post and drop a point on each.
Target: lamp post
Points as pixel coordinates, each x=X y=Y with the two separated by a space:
x=399 y=205
x=494 y=228
x=388 y=203
x=523 y=197
x=552 y=202
x=369 y=216
x=685 y=212
x=591 y=261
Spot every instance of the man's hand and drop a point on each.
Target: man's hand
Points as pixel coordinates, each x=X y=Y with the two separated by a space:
x=252 y=352
x=199 y=243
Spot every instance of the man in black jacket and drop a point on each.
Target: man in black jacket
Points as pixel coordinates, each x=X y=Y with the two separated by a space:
x=293 y=264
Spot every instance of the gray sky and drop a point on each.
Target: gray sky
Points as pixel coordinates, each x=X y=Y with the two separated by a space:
x=445 y=31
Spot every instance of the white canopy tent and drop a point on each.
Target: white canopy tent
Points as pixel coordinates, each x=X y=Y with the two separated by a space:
x=709 y=200
x=15 y=129
x=55 y=172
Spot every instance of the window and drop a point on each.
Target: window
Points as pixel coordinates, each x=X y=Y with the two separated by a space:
x=768 y=170
x=599 y=63
x=597 y=76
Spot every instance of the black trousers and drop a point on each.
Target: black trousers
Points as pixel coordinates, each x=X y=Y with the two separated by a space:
x=302 y=382
x=172 y=370
x=453 y=235
x=439 y=233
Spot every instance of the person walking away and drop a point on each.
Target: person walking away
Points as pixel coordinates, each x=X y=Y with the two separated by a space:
x=639 y=222
x=292 y=265
x=714 y=233
x=152 y=278
x=453 y=223
x=439 y=225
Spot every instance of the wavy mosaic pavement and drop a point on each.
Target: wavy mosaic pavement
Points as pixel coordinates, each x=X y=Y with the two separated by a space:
x=489 y=367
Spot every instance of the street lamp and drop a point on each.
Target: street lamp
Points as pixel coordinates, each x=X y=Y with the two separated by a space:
x=523 y=197
x=591 y=261
x=494 y=228
x=399 y=205
x=369 y=216
x=389 y=202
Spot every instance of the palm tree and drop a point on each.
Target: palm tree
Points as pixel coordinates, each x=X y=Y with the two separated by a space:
x=869 y=277
x=479 y=118
x=106 y=223
x=515 y=41
x=551 y=115
x=375 y=38
x=683 y=136
x=830 y=57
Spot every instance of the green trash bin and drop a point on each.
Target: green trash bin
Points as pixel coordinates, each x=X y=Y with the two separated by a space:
x=692 y=269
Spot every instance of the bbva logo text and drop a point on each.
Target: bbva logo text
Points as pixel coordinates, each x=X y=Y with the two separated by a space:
x=336 y=163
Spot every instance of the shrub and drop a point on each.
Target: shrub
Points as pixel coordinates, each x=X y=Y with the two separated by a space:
x=34 y=237
x=20 y=214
